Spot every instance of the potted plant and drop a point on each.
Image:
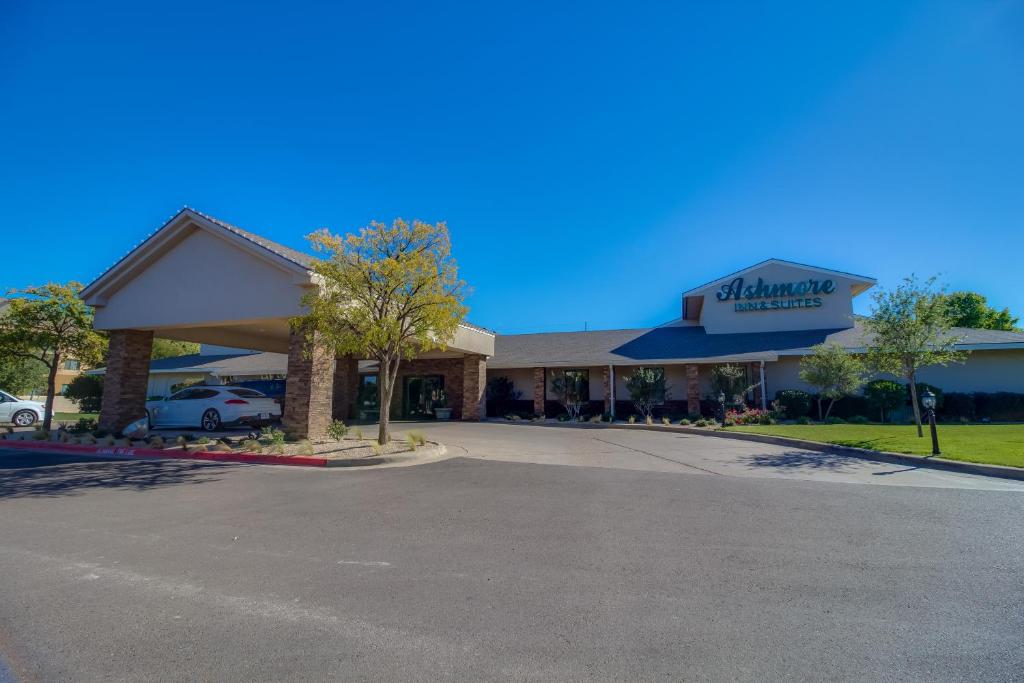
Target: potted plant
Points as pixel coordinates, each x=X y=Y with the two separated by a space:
x=441 y=409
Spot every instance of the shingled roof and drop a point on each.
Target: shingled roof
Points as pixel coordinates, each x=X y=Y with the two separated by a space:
x=691 y=343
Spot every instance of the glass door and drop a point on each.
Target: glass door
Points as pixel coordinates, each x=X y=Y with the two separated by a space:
x=420 y=394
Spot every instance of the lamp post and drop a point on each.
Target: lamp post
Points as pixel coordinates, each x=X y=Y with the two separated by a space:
x=928 y=401
x=721 y=405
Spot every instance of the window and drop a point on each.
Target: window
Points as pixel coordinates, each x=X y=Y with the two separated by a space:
x=245 y=393
x=64 y=388
x=72 y=364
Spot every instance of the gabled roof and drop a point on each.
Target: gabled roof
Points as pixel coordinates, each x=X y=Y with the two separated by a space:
x=287 y=257
x=862 y=280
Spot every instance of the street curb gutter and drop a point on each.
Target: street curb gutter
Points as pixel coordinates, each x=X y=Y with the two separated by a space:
x=866 y=453
x=130 y=453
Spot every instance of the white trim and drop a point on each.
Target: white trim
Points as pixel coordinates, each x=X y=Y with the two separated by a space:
x=775 y=261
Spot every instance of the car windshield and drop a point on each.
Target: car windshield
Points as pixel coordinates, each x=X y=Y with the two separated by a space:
x=246 y=393
x=4 y=396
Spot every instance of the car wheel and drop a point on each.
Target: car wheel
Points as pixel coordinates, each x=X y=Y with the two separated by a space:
x=211 y=420
x=24 y=418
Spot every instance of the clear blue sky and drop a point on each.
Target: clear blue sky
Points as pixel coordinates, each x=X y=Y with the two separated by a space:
x=593 y=161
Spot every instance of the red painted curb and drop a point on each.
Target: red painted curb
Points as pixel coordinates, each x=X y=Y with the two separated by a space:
x=131 y=452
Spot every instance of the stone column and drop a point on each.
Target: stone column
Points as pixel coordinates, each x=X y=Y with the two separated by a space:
x=474 y=381
x=540 y=391
x=309 y=389
x=693 y=389
x=346 y=387
x=127 y=379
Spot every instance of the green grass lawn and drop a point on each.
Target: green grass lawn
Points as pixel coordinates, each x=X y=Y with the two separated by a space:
x=997 y=444
x=74 y=417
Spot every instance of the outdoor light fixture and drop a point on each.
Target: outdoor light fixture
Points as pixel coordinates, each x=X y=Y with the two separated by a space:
x=928 y=401
x=721 y=404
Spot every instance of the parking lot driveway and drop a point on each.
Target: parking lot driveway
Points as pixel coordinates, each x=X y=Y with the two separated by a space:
x=476 y=570
x=637 y=449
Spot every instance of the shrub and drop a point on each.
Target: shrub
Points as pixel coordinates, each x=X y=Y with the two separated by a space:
x=685 y=421
x=649 y=420
x=885 y=396
x=501 y=394
x=666 y=421
x=411 y=442
x=833 y=420
x=156 y=441
x=83 y=425
x=272 y=436
x=203 y=440
x=631 y=419
x=748 y=417
x=803 y=420
x=858 y=420
x=306 y=447
x=418 y=437
x=359 y=433
x=86 y=391
x=252 y=446
x=794 y=402
x=337 y=430
x=646 y=387
x=596 y=418
x=563 y=417
x=40 y=435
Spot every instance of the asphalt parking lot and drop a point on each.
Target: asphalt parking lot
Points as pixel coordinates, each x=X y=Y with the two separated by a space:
x=642 y=558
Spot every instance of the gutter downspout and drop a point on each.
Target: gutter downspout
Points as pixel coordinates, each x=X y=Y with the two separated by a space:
x=611 y=376
x=764 y=393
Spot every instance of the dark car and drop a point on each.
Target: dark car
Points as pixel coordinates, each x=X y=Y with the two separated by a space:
x=271 y=388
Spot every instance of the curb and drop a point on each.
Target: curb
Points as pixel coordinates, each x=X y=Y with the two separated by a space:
x=130 y=453
x=930 y=461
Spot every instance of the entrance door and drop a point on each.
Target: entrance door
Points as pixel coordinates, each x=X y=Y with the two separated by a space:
x=421 y=393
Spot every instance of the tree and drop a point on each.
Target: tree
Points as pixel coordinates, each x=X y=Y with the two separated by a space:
x=571 y=388
x=48 y=324
x=21 y=375
x=646 y=387
x=87 y=393
x=970 y=309
x=909 y=329
x=730 y=380
x=834 y=371
x=502 y=394
x=885 y=395
x=387 y=293
x=172 y=348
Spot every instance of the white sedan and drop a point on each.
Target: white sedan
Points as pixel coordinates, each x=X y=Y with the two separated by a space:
x=21 y=413
x=212 y=407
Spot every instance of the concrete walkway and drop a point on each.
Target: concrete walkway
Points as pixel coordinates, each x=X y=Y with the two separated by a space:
x=554 y=443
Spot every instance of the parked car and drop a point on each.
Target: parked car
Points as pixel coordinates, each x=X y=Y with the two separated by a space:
x=271 y=388
x=21 y=413
x=212 y=407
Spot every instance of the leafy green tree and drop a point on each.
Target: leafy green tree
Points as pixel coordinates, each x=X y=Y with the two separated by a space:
x=387 y=293
x=572 y=389
x=48 y=324
x=909 y=329
x=885 y=396
x=87 y=393
x=172 y=348
x=731 y=380
x=834 y=371
x=970 y=309
x=647 y=388
x=21 y=375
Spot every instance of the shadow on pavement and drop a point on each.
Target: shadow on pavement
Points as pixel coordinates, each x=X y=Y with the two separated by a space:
x=800 y=460
x=28 y=475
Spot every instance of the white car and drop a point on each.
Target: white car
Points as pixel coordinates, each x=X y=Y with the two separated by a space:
x=21 y=413
x=212 y=408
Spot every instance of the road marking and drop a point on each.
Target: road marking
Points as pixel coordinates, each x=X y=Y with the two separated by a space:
x=365 y=563
x=655 y=455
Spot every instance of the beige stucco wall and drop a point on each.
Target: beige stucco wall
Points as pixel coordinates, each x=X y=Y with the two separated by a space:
x=202 y=279
x=836 y=311
x=986 y=371
x=522 y=380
